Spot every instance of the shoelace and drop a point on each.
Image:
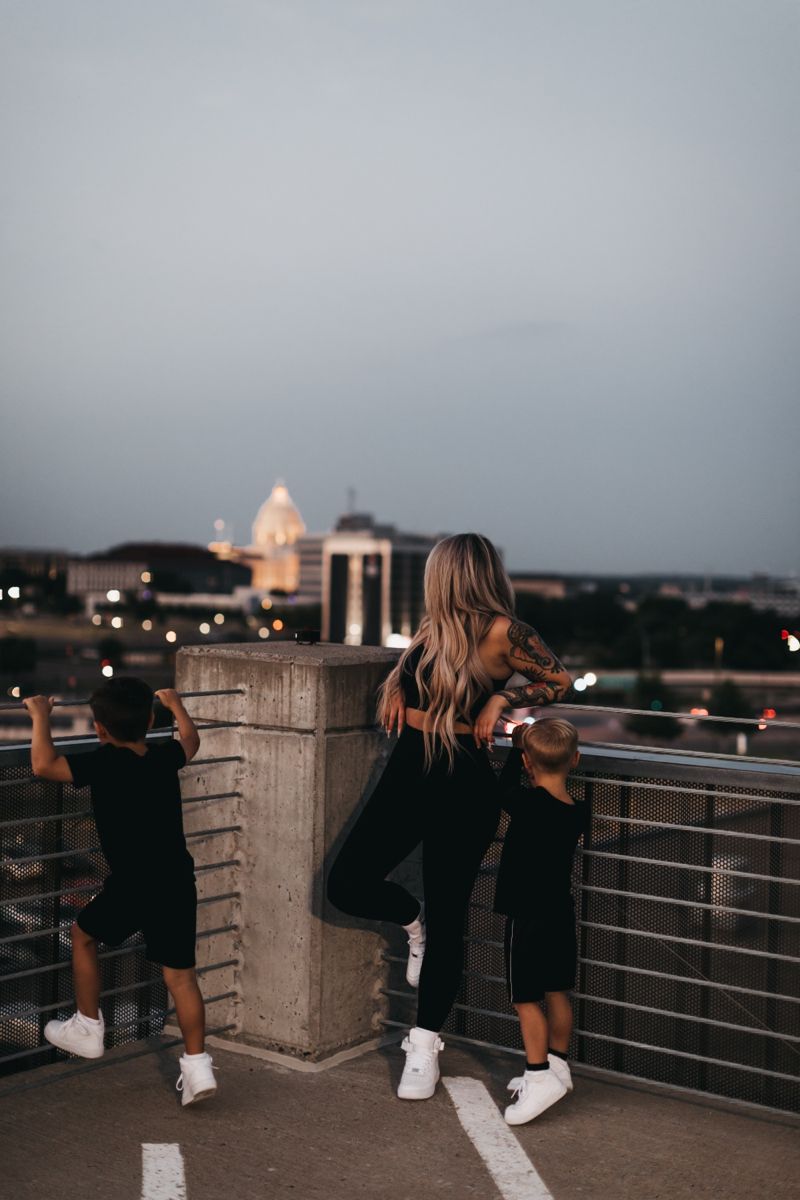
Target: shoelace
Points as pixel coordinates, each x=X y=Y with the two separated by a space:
x=179 y=1084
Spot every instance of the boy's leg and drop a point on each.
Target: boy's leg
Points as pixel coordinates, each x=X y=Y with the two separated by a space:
x=85 y=972
x=189 y=1007
x=533 y=1025
x=559 y=1020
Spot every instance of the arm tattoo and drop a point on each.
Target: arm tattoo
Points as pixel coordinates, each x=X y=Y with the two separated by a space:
x=531 y=657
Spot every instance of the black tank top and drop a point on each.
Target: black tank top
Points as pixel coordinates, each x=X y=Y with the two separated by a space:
x=411 y=696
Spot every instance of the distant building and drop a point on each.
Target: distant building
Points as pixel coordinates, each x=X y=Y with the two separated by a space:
x=33 y=564
x=91 y=579
x=547 y=587
x=309 y=549
x=181 y=567
x=273 y=556
x=372 y=582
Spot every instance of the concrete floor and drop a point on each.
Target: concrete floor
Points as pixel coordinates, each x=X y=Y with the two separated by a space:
x=274 y=1132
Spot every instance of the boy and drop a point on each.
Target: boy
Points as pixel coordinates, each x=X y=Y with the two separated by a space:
x=136 y=803
x=533 y=891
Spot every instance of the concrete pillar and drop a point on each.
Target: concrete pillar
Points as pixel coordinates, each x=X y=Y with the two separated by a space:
x=308 y=979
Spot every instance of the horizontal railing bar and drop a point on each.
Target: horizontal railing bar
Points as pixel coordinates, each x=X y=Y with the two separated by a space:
x=645 y=712
x=670 y=937
x=199 y=833
x=660 y=937
x=710 y=983
x=117 y=952
x=218 y=899
x=715 y=831
x=698 y=793
x=31 y=936
x=84 y=703
x=716 y=1062
x=217 y=866
x=156 y=981
x=662 y=862
x=212 y=762
x=10 y=861
x=218 y=725
x=213 y=796
x=510 y=1016
x=723 y=908
x=67 y=816
x=80 y=890
x=661 y=1012
x=108 y=1029
x=27 y=779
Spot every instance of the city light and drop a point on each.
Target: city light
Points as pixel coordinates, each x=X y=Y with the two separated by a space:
x=277 y=624
x=769 y=714
x=354 y=629
x=263 y=632
x=398 y=641
x=219 y=619
x=97 y=619
x=762 y=725
x=266 y=604
x=793 y=643
x=529 y=721
x=205 y=627
x=146 y=577
x=147 y=624
x=107 y=670
x=580 y=685
x=13 y=593
x=591 y=678
x=116 y=622
x=219 y=524
x=113 y=595
x=16 y=692
x=698 y=712
x=171 y=635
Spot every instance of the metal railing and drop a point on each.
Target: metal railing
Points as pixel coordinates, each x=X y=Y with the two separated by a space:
x=50 y=864
x=688 y=909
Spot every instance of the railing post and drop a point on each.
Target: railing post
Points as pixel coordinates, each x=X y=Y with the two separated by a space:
x=308 y=978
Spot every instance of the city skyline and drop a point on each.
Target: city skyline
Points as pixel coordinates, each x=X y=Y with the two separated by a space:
x=533 y=274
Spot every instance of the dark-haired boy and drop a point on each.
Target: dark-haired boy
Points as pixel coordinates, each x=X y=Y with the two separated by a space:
x=136 y=803
x=533 y=891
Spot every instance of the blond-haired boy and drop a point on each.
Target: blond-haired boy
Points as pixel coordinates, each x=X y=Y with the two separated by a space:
x=534 y=893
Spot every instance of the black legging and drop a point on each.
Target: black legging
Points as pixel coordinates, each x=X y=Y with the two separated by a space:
x=455 y=817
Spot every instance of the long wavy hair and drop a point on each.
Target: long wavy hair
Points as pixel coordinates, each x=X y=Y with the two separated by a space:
x=466 y=588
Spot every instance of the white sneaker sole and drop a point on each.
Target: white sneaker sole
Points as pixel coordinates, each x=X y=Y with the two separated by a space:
x=98 y=1052
x=513 y=1118
x=197 y=1097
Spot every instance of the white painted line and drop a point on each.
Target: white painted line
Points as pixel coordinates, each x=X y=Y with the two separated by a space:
x=162 y=1171
x=509 y=1166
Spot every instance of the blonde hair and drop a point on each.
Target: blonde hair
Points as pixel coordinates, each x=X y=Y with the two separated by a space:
x=550 y=743
x=466 y=588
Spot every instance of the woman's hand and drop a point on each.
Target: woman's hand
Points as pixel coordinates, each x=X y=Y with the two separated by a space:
x=395 y=714
x=483 y=729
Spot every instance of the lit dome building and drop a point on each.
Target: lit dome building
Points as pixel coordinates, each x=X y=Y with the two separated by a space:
x=274 y=555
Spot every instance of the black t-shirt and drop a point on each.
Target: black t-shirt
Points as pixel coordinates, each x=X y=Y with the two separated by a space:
x=136 y=801
x=536 y=861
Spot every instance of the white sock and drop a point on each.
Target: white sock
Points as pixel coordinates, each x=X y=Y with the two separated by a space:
x=90 y=1020
x=202 y=1054
x=415 y=930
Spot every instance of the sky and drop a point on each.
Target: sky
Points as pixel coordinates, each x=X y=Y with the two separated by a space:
x=528 y=267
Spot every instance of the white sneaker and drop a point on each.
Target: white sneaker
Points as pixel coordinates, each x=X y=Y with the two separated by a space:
x=196 y=1080
x=416 y=953
x=421 y=1072
x=561 y=1068
x=77 y=1036
x=537 y=1091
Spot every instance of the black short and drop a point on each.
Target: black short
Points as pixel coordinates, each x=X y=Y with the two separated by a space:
x=166 y=916
x=541 y=955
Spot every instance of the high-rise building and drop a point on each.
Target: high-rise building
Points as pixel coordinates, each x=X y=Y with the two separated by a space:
x=372 y=582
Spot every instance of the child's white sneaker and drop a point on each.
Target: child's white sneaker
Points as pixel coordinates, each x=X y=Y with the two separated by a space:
x=537 y=1091
x=421 y=1072
x=559 y=1065
x=78 y=1035
x=196 y=1080
x=416 y=953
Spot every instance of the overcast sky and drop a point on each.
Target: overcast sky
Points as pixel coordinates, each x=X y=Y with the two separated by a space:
x=530 y=267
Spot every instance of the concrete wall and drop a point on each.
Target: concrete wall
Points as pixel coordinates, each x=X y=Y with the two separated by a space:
x=307 y=753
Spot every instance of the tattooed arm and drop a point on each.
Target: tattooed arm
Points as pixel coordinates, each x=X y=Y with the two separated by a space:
x=527 y=655
x=520 y=648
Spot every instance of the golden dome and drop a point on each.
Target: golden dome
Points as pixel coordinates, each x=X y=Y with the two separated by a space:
x=278 y=522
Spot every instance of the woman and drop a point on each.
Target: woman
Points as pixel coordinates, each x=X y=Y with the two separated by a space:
x=444 y=697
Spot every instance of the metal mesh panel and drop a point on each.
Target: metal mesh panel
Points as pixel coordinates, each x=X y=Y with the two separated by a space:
x=689 y=938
